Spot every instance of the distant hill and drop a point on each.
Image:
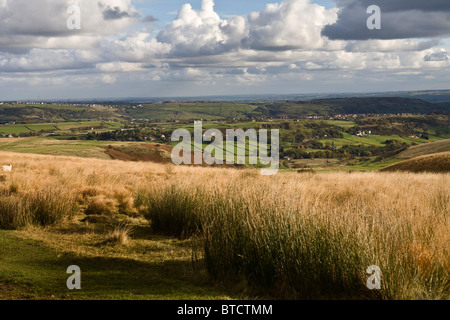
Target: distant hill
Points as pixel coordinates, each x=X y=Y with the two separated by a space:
x=437 y=163
x=167 y=111
x=32 y=113
x=425 y=149
x=379 y=105
x=372 y=105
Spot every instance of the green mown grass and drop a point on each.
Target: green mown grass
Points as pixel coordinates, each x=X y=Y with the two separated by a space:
x=29 y=269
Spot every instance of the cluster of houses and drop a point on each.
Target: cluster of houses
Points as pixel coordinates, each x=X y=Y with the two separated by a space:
x=364 y=133
x=350 y=117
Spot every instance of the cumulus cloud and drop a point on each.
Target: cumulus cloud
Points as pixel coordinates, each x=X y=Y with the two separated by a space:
x=41 y=23
x=288 y=41
x=202 y=32
x=291 y=24
x=139 y=46
x=401 y=19
x=400 y=5
x=45 y=60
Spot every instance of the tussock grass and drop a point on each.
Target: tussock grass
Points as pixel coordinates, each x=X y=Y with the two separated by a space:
x=51 y=206
x=290 y=255
x=120 y=235
x=101 y=205
x=174 y=212
x=289 y=236
x=43 y=208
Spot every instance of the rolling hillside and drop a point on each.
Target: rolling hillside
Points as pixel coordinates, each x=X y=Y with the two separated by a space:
x=436 y=163
x=425 y=149
x=35 y=113
x=169 y=111
x=127 y=151
x=390 y=105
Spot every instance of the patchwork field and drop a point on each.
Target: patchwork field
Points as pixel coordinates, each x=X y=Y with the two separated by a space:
x=127 y=151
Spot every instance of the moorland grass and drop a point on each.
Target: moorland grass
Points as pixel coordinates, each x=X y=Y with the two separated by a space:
x=289 y=236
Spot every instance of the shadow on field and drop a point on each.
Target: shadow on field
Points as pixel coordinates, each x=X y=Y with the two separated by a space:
x=114 y=278
x=30 y=270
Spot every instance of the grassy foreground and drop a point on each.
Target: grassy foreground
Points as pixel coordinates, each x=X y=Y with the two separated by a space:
x=33 y=266
x=142 y=230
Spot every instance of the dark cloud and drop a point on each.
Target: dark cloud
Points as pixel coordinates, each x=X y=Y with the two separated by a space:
x=400 y=19
x=149 y=19
x=398 y=5
x=114 y=13
x=437 y=56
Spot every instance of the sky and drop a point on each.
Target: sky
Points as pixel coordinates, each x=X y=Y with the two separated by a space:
x=172 y=48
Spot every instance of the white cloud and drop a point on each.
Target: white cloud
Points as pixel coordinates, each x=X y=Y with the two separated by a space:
x=138 y=47
x=119 y=67
x=28 y=24
x=283 y=42
x=390 y=45
x=291 y=24
x=108 y=79
x=202 y=32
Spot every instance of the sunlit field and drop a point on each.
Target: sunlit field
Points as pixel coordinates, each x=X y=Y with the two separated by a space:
x=289 y=236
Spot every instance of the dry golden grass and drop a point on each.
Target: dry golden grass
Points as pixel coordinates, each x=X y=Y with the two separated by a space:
x=438 y=163
x=398 y=221
x=120 y=235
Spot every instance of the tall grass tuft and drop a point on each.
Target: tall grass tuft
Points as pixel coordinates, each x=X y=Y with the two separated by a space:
x=13 y=212
x=42 y=208
x=280 y=251
x=174 y=212
x=120 y=235
x=313 y=244
x=51 y=206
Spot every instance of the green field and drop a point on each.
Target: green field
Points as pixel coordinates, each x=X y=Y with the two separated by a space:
x=372 y=140
x=58 y=128
x=85 y=149
x=186 y=111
